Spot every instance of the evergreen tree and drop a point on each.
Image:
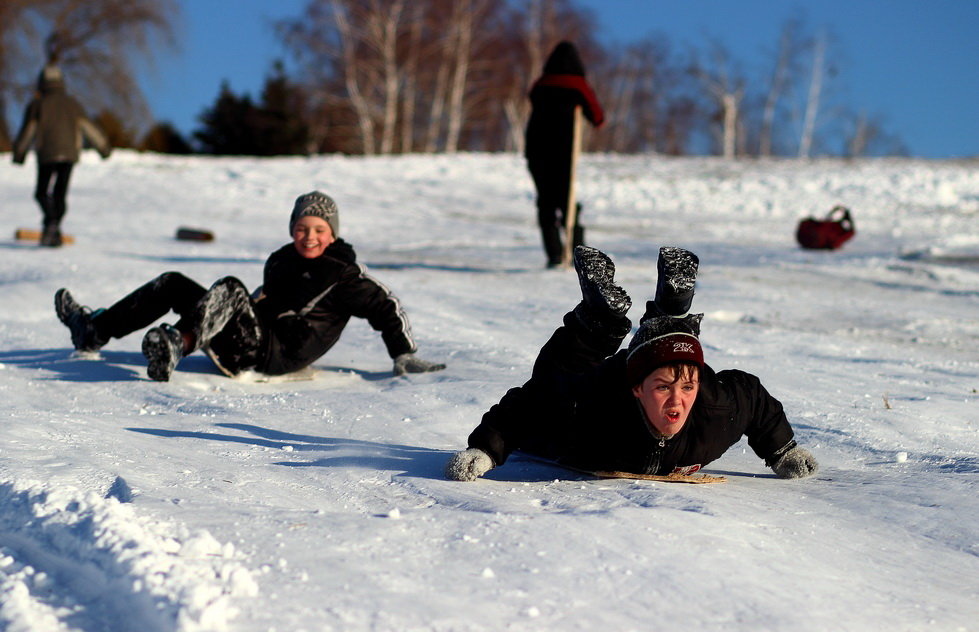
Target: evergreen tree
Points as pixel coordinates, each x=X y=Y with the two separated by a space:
x=281 y=128
x=236 y=126
x=114 y=130
x=165 y=139
x=225 y=127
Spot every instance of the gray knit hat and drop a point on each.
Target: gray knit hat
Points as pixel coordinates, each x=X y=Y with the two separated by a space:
x=318 y=205
x=50 y=77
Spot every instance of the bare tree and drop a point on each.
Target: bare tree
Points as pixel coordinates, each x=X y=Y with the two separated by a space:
x=785 y=64
x=867 y=137
x=462 y=22
x=383 y=25
x=411 y=73
x=634 y=85
x=95 y=41
x=349 y=40
x=350 y=49
x=388 y=76
x=437 y=104
x=727 y=93
x=678 y=126
x=463 y=61
x=814 y=93
x=409 y=92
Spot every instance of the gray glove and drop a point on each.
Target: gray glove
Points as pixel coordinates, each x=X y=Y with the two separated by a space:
x=795 y=463
x=409 y=363
x=468 y=465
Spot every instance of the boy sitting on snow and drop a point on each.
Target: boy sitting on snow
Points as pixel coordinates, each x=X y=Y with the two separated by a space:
x=654 y=408
x=311 y=289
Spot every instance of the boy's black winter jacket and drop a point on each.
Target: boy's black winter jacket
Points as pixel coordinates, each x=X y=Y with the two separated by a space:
x=590 y=419
x=306 y=303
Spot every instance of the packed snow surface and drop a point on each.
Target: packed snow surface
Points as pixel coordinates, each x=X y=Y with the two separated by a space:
x=207 y=503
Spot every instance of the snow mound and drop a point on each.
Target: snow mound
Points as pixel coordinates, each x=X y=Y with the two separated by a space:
x=72 y=556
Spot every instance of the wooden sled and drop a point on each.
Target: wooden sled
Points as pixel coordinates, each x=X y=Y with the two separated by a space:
x=30 y=234
x=695 y=479
x=571 y=213
x=194 y=234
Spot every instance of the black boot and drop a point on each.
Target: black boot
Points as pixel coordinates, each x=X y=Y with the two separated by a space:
x=604 y=304
x=79 y=320
x=51 y=235
x=550 y=232
x=163 y=347
x=677 y=270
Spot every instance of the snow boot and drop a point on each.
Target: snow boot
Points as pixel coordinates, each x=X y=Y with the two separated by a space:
x=550 y=230
x=51 y=236
x=677 y=270
x=163 y=347
x=79 y=321
x=604 y=304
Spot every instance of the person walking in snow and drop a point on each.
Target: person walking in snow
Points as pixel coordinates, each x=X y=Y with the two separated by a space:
x=652 y=408
x=55 y=124
x=549 y=142
x=311 y=289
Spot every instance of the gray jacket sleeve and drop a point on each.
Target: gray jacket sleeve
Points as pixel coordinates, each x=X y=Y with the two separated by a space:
x=25 y=137
x=95 y=136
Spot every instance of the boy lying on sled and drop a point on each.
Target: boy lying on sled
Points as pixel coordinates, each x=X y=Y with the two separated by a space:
x=653 y=408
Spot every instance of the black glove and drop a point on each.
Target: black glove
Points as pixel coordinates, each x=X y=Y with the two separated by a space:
x=468 y=465
x=409 y=363
x=794 y=462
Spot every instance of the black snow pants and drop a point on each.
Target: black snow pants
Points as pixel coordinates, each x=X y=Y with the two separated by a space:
x=221 y=318
x=52 y=200
x=552 y=185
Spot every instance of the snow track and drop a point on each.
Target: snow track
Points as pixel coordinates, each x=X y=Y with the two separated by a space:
x=73 y=560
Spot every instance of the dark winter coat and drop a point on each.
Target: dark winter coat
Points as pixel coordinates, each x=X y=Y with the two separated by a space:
x=578 y=409
x=550 y=130
x=55 y=124
x=306 y=303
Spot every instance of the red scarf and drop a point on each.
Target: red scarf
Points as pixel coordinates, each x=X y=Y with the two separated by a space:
x=593 y=110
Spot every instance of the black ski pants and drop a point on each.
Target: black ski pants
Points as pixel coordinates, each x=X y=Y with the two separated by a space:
x=53 y=200
x=222 y=318
x=553 y=183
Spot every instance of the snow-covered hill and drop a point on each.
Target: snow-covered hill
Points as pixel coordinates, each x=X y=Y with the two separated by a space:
x=207 y=503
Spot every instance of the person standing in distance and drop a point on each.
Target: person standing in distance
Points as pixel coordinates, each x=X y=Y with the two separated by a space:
x=549 y=145
x=55 y=124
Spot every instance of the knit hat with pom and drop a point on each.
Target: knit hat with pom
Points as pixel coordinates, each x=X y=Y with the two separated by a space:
x=318 y=205
x=663 y=340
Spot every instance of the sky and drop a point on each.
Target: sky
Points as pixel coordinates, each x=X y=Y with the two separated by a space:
x=914 y=64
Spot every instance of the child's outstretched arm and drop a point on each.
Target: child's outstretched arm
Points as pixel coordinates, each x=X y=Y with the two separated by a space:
x=368 y=298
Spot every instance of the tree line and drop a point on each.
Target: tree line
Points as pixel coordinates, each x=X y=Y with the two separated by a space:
x=426 y=76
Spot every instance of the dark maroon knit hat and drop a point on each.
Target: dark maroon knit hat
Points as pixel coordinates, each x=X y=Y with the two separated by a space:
x=663 y=340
